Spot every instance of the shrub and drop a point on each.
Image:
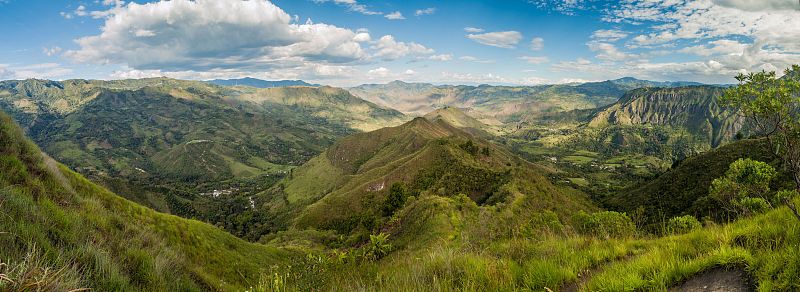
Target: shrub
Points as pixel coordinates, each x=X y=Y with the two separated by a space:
x=683 y=224
x=378 y=246
x=606 y=224
x=753 y=205
x=398 y=193
x=745 y=179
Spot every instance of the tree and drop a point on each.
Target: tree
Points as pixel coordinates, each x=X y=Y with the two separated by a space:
x=745 y=180
x=398 y=193
x=772 y=105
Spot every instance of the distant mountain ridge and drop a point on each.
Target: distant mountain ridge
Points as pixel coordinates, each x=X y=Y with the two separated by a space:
x=259 y=83
x=502 y=103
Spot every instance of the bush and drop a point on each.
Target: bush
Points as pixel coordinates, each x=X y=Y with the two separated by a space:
x=745 y=181
x=753 y=205
x=398 y=193
x=683 y=224
x=606 y=224
x=378 y=246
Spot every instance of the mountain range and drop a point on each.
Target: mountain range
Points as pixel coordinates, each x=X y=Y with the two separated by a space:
x=253 y=82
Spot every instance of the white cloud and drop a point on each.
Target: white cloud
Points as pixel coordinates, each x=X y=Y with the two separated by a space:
x=380 y=72
x=197 y=36
x=352 y=5
x=760 y=5
x=394 y=16
x=426 y=11
x=410 y=72
x=442 y=57
x=41 y=71
x=388 y=49
x=609 y=52
x=5 y=73
x=500 y=39
x=733 y=35
x=473 y=29
x=537 y=44
x=474 y=59
x=717 y=47
x=610 y=35
x=51 y=51
x=535 y=59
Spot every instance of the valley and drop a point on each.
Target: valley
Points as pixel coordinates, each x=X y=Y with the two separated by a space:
x=443 y=200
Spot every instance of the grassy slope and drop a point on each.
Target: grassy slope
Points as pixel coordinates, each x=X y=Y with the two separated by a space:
x=72 y=233
x=346 y=185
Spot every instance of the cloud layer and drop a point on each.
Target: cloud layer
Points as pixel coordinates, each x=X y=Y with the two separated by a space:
x=224 y=35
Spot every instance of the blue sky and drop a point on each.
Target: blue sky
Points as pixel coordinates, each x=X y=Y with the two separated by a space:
x=349 y=42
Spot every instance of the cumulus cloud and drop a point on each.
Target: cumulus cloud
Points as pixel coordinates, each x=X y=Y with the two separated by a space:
x=607 y=51
x=426 y=11
x=394 y=16
x=500 y=39
x=537 y=44
x=760 y=5
x=388 y=48
x=229 y=36
x=729 y=36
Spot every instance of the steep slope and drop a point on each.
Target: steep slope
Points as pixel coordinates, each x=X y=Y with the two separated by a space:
x=345 y=188
x=253 y=82
x=61 y=232
x=692 y=108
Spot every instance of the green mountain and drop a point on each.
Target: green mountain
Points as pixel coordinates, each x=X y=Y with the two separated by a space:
x=164 y=142
x=460 y=119
x=61 y=232
x=692 y=108
x=345 y=188
x=253 y=82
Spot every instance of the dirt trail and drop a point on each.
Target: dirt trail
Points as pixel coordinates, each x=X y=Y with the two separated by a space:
x=717 y=280
x=586 y=275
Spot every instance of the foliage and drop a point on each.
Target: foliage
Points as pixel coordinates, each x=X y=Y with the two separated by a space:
x=773 y=105
x=683 y=224
x=398 y=193
x=745 y=180
x=378 y=246
x=606 y=224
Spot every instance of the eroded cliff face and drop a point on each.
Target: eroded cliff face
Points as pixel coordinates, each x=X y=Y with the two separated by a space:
x=693 y=108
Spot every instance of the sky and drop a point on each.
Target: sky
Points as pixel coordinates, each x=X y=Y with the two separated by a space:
x=351 y=42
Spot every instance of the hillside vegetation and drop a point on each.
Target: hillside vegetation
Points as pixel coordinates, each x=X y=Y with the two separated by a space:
x=345 y=188
x=62 y=232
x=165 y=143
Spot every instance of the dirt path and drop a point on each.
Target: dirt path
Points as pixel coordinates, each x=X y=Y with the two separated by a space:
x=717 y=280
x=586 y=275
